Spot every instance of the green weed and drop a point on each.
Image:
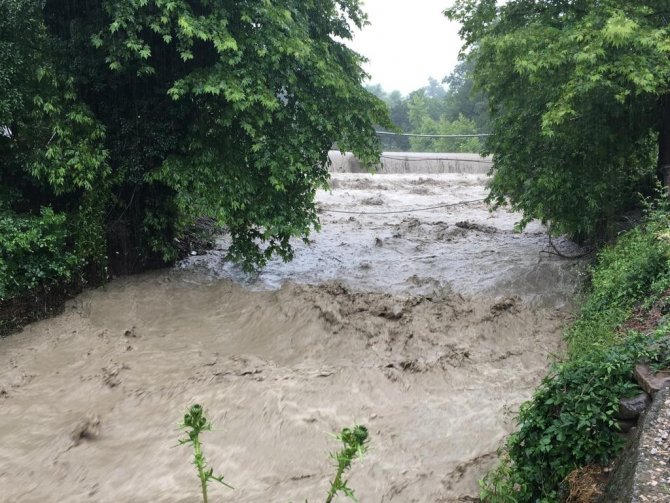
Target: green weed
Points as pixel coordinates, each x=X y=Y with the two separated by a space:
x=354 y=445
x=194 y=424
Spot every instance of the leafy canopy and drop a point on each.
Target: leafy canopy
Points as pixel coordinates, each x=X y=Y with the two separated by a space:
x=574 y=89
x=131 y=118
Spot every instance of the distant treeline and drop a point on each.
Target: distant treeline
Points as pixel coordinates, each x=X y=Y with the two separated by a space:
x=450 y=107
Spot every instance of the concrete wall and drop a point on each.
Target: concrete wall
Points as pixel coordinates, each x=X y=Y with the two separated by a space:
x=641 y=474
x=413 y=162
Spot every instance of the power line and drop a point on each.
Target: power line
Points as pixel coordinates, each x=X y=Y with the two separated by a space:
x=402 y=211
x=480 y=135
x=393 y=158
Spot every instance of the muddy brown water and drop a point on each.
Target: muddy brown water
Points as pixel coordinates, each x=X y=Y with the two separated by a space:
x=430 y=328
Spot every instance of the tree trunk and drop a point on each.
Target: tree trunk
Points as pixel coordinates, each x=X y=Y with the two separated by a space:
x=664 y=143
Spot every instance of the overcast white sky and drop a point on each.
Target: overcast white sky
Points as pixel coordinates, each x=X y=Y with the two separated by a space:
x=408 y=41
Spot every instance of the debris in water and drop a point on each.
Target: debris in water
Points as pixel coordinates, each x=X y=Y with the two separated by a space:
x=505 y=304
x=472 y=226
x=373 y=201
x=87 y=429
x=130 y=332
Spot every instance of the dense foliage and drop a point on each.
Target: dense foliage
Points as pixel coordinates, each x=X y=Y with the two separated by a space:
x=578 y=94
x=570 y=421
x=121 y=121
x=54 y=164
x=457 y=109
x=34 y=252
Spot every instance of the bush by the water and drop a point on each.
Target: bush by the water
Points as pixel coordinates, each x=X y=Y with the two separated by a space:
x=34 y=251
x=570 y=421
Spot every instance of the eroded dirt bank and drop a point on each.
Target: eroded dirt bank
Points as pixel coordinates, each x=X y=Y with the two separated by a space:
x=89 y=400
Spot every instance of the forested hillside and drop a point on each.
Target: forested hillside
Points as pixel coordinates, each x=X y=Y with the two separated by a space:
x=451 y=107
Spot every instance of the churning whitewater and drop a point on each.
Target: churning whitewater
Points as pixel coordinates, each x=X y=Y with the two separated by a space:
x=429 y=327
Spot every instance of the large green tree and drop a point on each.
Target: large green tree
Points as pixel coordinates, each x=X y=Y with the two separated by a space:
x=578 y=95
x=131 y=118
x=463 y=99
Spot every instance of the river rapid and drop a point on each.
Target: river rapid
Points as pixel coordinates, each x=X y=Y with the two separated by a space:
x=429 y=327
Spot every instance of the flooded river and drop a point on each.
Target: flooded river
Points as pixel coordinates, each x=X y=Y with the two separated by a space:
x=430 y=327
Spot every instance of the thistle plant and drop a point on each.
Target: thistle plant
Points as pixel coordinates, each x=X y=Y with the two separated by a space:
x=355 y=441
x=195 y=423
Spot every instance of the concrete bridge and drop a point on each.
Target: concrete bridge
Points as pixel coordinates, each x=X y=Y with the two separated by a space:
x=413 y=162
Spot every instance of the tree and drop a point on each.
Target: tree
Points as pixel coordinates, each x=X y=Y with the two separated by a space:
x=134 y=117
x=53 y=181
x=463 y=100
x=578 y=95
x=428 y=117
x=397 y=108
x=433 y=109
x=434 y=89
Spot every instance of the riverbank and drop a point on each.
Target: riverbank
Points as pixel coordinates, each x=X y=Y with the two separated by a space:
x=573 y=422
x=38 y=304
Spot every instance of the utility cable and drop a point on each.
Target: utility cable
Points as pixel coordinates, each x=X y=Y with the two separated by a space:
x=401 y=211
x=478 y=135
x=417 y=159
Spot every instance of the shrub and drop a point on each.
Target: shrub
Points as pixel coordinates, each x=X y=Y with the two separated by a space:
x=635 y=269
x=34 y=251
x=629 y=270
